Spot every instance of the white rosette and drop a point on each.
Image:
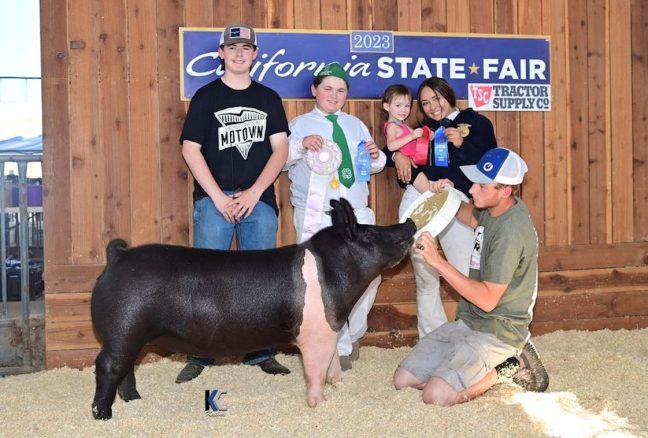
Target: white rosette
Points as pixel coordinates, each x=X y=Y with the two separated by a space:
x=323 y=163
x=326 y=160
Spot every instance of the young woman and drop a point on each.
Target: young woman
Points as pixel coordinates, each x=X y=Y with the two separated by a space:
x=469 y=136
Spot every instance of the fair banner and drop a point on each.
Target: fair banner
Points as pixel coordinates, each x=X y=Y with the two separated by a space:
x=493 y=72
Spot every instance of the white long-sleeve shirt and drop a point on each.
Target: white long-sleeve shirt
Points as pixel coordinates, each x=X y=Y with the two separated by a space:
x=314 y=123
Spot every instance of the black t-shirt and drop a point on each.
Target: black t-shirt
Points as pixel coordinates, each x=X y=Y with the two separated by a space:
x=234 y=128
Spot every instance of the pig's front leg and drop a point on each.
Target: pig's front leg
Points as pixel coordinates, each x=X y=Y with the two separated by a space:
x=316 y=339
x=317 y=352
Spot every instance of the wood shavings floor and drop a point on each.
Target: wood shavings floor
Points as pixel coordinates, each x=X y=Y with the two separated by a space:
x=599 y=387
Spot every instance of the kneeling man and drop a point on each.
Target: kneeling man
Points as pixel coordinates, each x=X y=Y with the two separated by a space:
x=459 y=360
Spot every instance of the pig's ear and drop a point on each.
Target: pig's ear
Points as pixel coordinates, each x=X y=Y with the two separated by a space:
x=343 y=217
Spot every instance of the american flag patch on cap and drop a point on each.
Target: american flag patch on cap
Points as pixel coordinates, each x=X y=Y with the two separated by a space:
x=240 y=32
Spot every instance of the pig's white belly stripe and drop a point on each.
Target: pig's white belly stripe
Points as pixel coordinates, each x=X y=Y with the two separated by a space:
x=314 y=323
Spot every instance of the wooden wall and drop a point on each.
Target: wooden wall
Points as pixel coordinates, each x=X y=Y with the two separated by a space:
x=112 y=164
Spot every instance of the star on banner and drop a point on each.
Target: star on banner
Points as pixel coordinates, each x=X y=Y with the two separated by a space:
x=474 y=69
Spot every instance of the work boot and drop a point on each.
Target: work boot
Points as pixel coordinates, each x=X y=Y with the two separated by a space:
x=355 y=351
x=271 y=366
x=345 y=363
x=507 y=369
x=189 y=372
x=532 y=375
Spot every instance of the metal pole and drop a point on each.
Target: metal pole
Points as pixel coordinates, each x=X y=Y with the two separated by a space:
x=24 y=260
x=3 y=243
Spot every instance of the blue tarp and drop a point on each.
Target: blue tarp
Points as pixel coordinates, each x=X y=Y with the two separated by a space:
x=22 y=145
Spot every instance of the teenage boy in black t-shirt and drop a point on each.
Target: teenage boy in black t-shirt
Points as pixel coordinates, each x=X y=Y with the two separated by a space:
x=235 y=142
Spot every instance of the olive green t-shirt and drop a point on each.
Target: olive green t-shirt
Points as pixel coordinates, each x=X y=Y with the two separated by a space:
x=505 y=251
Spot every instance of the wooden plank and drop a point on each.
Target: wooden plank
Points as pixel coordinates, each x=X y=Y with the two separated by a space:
x=597 y=37
x=286 y=231
x=574 y=307
x=508 y=122
x=351 y=14
x=592 y=281
x=56 y=138
x=333 y=14
x=87 y=176
x=71 y=278
x=145 y=115
x=71 y=335
x=621 y=121
x=595 y=281
x=384 y=15
x=565 y=258
x=626 y=323
x=174 y=175
x=579 y=109
x=286 y=234
x=83 y=358
x=391 y=339
x=67 y=307
x=228 y=12
x=506 y=16
x=532 y=130
x=556 y=136
x=557 y=258
x=639 y=71
x=115 y=126
x=409 y=15
x=307 y=14
x=254 y=13
x=400 y=316
x=199 y=13
x=408 y=338
x=280 y=14
x=458 y=17
x=482 y=16
x=434 y=16
x=591 y=306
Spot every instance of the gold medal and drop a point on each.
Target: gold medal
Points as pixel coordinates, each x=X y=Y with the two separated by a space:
x=464 y=130
x=335 y=183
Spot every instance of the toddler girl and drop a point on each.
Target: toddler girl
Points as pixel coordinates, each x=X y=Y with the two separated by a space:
x=397 y=102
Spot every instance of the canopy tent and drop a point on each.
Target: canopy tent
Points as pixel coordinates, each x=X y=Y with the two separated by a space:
x=22 y=145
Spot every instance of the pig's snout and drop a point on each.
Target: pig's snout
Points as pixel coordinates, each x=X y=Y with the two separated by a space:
x=411 y=226
x=410 y=230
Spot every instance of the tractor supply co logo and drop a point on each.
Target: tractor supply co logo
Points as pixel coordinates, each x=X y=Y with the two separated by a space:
x=509 y=97
x=242 y=126
x=213 y=408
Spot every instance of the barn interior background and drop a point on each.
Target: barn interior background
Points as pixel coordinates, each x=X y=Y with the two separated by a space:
x=112 y=165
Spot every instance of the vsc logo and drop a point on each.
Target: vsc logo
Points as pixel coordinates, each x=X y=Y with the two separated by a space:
x=212 y=406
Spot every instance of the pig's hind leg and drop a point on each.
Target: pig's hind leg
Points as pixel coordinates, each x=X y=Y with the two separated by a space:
x=127 y=389
x=113 y=369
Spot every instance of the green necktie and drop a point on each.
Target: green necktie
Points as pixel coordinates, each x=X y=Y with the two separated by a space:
x=345 y=171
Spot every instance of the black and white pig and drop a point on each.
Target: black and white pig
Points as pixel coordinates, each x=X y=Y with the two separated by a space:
x=217 y=303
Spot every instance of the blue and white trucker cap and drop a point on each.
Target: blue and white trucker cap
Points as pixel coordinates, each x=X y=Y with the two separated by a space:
x=498 y=165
